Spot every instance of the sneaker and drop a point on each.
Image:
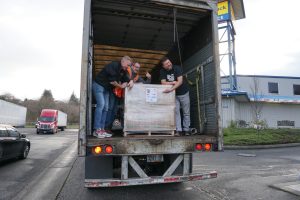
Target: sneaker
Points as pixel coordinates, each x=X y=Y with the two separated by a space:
x=178 y=133
x=187 y=133
x=106 y=134
x=99 y=133
x=109 y=132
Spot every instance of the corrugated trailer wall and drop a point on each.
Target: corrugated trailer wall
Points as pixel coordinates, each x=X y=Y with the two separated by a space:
x=198 y=49
x=208 y=111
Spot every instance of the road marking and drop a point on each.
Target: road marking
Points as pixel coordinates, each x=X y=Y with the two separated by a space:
x=247 y=155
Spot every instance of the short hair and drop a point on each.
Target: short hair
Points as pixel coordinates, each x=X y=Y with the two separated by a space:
x=127 y=58
x=164 y=59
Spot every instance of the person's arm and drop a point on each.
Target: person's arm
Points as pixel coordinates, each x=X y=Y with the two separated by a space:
x=126 y=79
x=116 y=84
x=164 y=82
x=130 y=84
x=148 y=81
x=175 y=86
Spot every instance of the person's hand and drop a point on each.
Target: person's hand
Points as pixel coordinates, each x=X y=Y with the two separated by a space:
x=168 y=90
x=130 y=84
x=174 y=82
x=148 y=75
x=124 y=85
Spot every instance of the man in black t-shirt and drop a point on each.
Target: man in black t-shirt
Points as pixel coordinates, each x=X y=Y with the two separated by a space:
x=172 y=75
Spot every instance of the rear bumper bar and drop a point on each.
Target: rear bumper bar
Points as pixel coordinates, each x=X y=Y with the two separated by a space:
x=150 y=145
x=95 y=183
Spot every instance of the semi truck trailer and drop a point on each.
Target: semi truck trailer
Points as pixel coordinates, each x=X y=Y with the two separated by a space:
x=12 y=114
x=147 y=30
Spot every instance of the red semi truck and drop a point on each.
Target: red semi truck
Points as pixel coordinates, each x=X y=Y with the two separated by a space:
x=50 y=121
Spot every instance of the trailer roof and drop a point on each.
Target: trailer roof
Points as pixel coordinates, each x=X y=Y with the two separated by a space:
x=141 y=29
x=139 y=24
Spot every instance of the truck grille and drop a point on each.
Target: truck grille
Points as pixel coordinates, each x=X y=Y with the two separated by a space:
x=45 y=126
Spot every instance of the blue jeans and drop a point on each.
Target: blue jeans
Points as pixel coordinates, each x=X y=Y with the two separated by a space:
x=112 y=110
x=102 y=98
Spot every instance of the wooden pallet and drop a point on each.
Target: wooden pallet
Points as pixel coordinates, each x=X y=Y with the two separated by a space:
x=148 y=133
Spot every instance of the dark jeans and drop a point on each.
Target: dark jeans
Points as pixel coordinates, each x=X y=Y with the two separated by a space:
x=102 y=98
x=112 y=110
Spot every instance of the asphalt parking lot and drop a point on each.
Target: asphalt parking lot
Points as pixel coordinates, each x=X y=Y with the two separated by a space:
x=53 y=171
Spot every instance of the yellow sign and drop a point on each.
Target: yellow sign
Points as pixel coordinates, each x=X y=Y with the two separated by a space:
x=223 y=8
x=225 y=11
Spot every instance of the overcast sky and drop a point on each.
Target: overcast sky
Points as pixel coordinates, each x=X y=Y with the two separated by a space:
x=40 y=44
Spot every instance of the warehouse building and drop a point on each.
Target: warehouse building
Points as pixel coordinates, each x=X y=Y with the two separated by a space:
x=272 y=101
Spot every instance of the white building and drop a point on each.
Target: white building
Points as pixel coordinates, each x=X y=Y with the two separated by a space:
x=274 y=100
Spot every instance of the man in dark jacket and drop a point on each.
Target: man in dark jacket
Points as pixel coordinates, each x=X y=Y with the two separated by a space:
x=112 y=75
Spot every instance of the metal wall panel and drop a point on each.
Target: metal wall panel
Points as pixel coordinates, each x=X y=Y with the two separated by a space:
x=228 y=111
x=208 y=111
x=279 y=112
x=271 y=113
x=285 y=85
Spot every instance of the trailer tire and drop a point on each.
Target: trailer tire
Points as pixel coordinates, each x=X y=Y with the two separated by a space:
x=62 y=128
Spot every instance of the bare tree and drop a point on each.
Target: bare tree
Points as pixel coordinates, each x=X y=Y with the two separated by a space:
x=256 y=103
x=10 y=98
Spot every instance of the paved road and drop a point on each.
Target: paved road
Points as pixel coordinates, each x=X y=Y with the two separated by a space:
x=17 y=176
x=52 y=171
x=240 y=177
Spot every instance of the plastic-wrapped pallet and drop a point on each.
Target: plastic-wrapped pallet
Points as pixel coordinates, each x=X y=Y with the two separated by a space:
x=149 y=110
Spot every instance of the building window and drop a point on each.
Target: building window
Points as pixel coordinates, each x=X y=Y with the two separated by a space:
x=273 y=87
x=296 y=89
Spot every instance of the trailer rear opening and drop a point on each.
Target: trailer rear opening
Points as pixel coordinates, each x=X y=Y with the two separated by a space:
x=186 y=32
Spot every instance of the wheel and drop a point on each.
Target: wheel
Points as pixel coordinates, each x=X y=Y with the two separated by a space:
x=62 y=128
x=25 y=152
x=1 y=151
x=37 y=131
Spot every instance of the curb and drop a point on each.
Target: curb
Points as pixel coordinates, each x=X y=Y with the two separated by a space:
x=235 y=147
x=291 y=187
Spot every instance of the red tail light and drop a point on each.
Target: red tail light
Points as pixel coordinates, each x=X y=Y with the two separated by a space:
x=207 y=147
x=198 y=147
x=108 y=149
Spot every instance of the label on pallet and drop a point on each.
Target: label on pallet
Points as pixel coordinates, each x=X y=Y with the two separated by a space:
x=151 y=95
